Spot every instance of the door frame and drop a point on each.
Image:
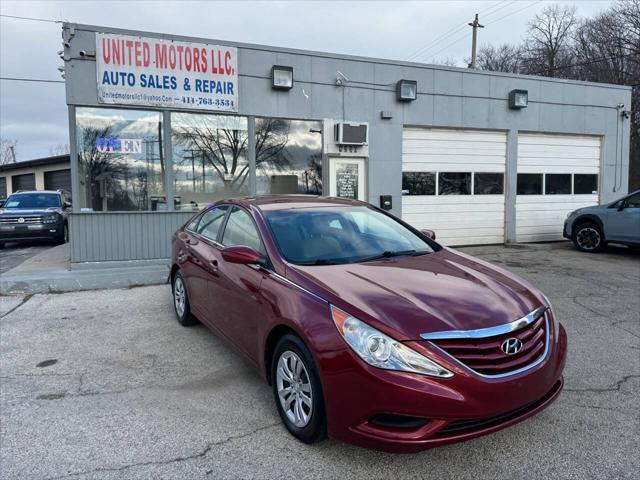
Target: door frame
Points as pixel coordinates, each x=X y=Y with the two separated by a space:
x=363 y=174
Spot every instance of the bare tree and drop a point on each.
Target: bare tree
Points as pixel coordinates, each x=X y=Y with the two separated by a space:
x=59 y=149
x=503 y=58
x=225 y=149
x=100 y=169
x=548 y=38
x=7 y=150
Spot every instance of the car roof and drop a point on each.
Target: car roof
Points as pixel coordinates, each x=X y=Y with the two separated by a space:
x=20 y=192
x=289 y=202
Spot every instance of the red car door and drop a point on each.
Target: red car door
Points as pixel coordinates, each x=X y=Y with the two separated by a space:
x=238 y=306
x=202 y=258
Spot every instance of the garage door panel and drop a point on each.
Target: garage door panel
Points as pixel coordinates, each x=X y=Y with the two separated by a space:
x=58 y=179
x=457 y=219
x=541 y=217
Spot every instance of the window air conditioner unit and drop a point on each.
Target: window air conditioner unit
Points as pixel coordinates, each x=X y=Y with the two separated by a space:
x=348 y=133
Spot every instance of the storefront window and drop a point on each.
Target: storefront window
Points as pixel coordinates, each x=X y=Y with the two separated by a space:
x=120 y=160
x=288 y=156
x=209 y=158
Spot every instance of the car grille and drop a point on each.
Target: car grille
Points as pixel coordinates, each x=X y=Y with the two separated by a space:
x=27 y=220
x=485 y=356
x=470 y=424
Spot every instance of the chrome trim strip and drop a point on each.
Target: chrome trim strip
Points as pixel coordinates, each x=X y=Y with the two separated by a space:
x=293 y=284
x=515 y=372
x=486 y=332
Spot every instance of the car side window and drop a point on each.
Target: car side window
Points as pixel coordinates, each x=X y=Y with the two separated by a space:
x=240 y=230
x=210 y=222
x=633 y=201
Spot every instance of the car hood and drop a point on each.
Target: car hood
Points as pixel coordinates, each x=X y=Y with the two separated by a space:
x=407 y=296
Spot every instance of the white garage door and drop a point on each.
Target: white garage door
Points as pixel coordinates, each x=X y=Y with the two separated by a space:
x=556 y=174
x=453 y=183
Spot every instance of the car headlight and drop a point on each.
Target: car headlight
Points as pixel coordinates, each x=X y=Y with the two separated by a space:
x=50 y=219
x=556 y=323
x=382 y=351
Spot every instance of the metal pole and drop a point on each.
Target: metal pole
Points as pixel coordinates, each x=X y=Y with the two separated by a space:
x=475 y=24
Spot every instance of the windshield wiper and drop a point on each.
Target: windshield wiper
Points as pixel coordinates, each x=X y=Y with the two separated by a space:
x=320 y=261
x=389 y=254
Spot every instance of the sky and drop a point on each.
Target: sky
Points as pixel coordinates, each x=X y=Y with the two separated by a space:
x=35 y=114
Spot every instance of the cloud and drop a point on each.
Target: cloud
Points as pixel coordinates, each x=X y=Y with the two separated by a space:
x=392 y=29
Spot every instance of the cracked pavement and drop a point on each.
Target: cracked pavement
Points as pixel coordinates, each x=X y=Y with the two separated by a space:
x=106 y=384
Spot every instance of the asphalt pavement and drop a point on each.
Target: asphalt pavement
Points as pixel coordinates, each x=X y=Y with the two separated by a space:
x=13 y=254
x=106 y=384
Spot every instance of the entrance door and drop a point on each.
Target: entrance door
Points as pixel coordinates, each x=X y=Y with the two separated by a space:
x=348 y=178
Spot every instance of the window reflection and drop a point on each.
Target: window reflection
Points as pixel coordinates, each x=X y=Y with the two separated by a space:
x=209 y=158
x=288 y=156
x=120 y=159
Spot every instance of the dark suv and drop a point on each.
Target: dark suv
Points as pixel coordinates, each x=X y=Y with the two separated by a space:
x=35 y=215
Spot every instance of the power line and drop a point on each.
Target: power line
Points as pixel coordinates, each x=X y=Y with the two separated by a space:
x=20 y=79
x=514 y=12
x=582 y=64
x=435 y=41
x=489 y=23
x=33 y=19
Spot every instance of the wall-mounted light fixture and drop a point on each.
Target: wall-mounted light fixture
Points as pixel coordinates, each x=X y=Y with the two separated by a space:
x=281 y=77
x=406 y=90
x=518 y=99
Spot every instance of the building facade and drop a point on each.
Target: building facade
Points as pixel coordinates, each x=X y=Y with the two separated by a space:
x=162 y=125
x=48 y=173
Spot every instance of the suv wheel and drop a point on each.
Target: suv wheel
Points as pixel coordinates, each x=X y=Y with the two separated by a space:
x=64 y=238
x=588 y=237
x=181 y=301
x=297 y=390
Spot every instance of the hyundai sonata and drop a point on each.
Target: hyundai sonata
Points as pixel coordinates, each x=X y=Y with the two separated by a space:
x=367 y=329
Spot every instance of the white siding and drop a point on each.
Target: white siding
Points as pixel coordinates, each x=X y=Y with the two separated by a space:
x=456 y=219
x=541 y=217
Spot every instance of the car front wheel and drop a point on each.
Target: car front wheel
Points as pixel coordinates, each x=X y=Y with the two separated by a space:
x=587 y=237
x=297 y=390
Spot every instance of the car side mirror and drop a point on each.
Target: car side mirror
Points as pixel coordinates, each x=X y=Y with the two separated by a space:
x=66 y=204
x=2 y=203
x=429 y=233
x=621 y=206
x=242 y=255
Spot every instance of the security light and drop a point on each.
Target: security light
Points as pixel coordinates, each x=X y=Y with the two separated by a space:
x=518 y=99
x=407 y=90
x=281 y=77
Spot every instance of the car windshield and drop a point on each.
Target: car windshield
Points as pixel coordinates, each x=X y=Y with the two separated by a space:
x=32 y=200
x=326 y=236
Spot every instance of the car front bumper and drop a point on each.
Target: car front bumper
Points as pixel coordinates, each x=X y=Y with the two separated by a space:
x=39 y=231
x=450 y=410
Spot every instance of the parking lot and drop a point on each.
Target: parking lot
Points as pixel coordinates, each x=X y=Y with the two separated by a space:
x=13 y=254
x=106 y=384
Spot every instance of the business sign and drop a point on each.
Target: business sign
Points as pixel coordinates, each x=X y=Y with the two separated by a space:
x=163 y=73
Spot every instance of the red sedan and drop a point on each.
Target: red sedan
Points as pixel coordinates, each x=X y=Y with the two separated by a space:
x=367 y=329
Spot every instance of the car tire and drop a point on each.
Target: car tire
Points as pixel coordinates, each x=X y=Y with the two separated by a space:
x=588 y=237
x=64 y=238
x=181 y=301
x=297 y=390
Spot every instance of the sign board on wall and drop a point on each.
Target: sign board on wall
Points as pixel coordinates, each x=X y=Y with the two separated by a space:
x=156 y=72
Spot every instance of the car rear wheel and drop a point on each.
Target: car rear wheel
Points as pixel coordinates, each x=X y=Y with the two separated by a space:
x=181 y=301
x=297 y=390
x=588 y=237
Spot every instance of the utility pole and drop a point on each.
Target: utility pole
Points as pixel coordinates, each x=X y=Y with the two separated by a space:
x=475 y=24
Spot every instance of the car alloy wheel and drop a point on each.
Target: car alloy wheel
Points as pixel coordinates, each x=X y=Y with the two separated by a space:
x=588 y=238
x=179 y=296
x=294 y=389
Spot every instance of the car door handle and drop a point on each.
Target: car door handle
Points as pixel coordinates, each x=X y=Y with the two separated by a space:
x=213 y=265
